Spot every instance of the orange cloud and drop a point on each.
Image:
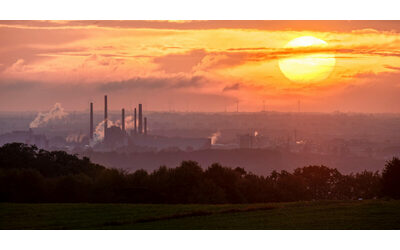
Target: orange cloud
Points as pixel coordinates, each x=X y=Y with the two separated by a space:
x=237 y=60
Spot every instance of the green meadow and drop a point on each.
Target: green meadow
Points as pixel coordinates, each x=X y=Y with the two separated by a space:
x=367 y=214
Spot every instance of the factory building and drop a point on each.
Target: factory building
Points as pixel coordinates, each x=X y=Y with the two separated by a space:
x=246 y=141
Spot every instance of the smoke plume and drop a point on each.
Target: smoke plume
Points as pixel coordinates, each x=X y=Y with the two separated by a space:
x=55 y=113
x=98 y=135
x=214 y=137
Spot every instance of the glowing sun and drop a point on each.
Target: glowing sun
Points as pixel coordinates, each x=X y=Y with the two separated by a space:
x=307 y=66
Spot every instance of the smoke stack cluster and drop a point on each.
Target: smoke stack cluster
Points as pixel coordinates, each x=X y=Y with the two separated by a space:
x=109 y=134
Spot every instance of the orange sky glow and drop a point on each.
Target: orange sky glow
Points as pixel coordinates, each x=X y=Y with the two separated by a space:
x=196 y=65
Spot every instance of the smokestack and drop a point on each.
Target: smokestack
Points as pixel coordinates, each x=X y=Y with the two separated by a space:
x=123 y=120
x=140 y=119
x=134 y=121
x=91 y=121
x=105 y=116
x=145 y=125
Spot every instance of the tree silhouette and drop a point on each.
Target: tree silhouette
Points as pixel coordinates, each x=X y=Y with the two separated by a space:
x=391 y=179
x=28 y=174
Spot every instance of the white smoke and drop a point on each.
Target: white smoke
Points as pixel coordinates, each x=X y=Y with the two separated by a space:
x=98 y=134
x=214 y=137
x=56 y=113
x=129 y=122
x=75 y=138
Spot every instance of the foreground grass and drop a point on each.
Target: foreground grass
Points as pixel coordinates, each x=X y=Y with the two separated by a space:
x=372 y=214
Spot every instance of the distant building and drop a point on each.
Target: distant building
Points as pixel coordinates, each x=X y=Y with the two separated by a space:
x=246 y=141
x=253 y=141
x=115 y=137
x=161 y=142
x=24 y=136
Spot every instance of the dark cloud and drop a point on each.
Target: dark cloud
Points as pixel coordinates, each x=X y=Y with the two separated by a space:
x=235 y=86
x=278 y=53
x=7 y=86
x=152 y=83
x=155 y=94
x=245 y=49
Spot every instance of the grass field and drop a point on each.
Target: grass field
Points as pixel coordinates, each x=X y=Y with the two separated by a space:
x=371 y=214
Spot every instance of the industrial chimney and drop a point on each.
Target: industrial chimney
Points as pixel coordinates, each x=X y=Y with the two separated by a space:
x=134 y=121
x=140 y=119
x=105 y=117
x=91 y=121
x=145 y=125
x=123 y=120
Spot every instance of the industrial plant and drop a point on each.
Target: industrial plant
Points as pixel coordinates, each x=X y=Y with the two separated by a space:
x=137 y=138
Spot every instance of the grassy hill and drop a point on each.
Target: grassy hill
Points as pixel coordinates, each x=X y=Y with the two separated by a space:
x=367 y=214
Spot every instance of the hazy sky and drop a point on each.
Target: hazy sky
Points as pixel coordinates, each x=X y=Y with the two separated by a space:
x=196 y=65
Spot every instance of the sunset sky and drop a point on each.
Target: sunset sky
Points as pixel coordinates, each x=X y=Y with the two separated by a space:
x=197 y=65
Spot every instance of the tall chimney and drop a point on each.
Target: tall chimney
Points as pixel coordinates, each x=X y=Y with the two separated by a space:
x=134 y=121
x=145 y=125
x=105 y=116
x=140 y=119
x=91 y=121
x=123 y=120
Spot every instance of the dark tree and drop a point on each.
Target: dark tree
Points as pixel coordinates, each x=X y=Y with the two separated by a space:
x=319 y=181
x=28 y=174
x=391 y=179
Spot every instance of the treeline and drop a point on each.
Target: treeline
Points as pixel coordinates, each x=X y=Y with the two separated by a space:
x=28 y=174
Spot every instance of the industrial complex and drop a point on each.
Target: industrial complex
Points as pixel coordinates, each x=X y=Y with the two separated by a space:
x=117 y=136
